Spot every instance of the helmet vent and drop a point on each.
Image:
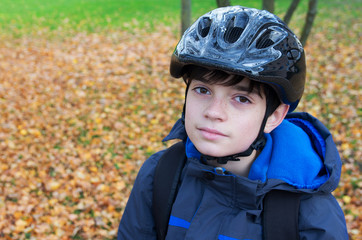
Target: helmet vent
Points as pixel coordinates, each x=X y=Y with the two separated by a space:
x=204 y=26
x=232 y=33
x=265 y=40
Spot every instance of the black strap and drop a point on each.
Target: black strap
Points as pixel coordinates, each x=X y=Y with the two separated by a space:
x=166 y=180
x=281 y=211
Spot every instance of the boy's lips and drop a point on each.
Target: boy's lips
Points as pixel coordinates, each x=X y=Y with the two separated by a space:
x=210 y=133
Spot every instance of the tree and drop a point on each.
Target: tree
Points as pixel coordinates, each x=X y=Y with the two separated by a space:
x=290 y=11
x=268 y=5
x=312 y=12
x=185 y=15
x=223 y=3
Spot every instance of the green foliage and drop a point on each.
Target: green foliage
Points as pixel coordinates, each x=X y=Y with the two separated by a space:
x=19 y=17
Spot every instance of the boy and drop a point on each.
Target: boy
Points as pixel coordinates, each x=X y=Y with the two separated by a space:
x=244 y=71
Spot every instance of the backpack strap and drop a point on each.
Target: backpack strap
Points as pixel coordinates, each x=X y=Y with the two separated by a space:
x=281 y=211
x=165 y=186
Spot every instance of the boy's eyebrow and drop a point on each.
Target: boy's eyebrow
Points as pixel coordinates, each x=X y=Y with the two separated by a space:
x=243 y=88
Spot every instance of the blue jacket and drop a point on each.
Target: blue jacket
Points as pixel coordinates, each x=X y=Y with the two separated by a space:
x=299 y=156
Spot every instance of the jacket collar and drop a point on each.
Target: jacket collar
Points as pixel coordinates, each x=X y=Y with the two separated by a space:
x=177 y=132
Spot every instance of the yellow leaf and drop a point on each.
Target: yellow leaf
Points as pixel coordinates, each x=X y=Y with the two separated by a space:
x=11 y=144
x=120 y=185
x=23 y=132
x=95 y=180
x=347 y=199
x=4 y=167
x=18 y=214
x=87 y=156
x=110 y=208
x=73 y=121
x=20 y=225
x=98 y=120
x=345 y=146
x=35 y=132
x=53 y=185
x=52 y=201
x=93 y=169
x=154 y=121
x=103 y=188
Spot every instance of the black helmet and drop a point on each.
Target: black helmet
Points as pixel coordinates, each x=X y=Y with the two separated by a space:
x=249 y=42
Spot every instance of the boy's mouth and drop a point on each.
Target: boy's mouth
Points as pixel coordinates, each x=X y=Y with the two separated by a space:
x=211 y=134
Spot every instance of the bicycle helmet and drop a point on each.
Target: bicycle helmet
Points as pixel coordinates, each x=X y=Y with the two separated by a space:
x=249 y=42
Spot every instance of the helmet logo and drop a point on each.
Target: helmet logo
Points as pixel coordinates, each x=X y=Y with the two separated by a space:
x=293 y=54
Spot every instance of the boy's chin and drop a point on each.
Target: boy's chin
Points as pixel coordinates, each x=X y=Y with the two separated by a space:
x=218 y=151
x=213 y=152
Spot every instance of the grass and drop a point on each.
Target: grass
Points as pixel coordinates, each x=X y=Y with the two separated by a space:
x=29 y=17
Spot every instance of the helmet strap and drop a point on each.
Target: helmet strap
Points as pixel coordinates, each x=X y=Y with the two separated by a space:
x=184 y=107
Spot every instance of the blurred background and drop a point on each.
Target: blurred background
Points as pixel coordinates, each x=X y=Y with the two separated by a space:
x=86 y=97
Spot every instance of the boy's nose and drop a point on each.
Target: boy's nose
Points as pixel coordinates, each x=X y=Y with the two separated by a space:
x=216 y=110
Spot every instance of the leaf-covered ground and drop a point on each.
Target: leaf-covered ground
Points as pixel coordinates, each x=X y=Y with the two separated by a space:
x=80 y=115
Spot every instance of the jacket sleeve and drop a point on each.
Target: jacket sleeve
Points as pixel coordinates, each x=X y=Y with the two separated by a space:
x=322 y=218
x=137 y=220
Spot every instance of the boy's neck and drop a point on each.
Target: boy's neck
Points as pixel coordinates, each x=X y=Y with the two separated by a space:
x=240 y=168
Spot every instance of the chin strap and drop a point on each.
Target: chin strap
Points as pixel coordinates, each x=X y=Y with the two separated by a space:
x=259 y=143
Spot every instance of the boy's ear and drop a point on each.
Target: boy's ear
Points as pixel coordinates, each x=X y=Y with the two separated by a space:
x=276 y=117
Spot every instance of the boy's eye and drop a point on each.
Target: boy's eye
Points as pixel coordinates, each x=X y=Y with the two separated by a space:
x=242 y=99
x=202 y=90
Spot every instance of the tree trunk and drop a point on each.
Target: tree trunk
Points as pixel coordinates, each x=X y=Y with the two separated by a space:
x=268 y=5
x=312 y=12
x=223 y=3
x=291 y=9
x=185 y=15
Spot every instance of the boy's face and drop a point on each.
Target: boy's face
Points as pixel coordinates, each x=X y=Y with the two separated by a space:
x=223 y=120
